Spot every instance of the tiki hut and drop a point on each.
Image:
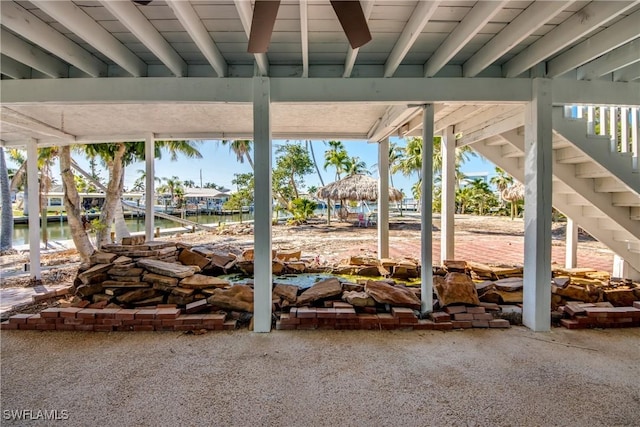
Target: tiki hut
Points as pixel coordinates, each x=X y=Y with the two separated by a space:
x=355 y=187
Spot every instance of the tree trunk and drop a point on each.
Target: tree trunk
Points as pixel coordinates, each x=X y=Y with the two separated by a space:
x=6 y=230
x=249 y=159
x=25 y=198
x=121 y=225
x=313 y=157
x=112 y=197
x=45 y=184
x=72 y=206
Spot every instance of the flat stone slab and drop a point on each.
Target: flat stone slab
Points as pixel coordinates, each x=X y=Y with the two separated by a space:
x=398 y=296
x=166 y=268
x=323 y=289
x=200 y=281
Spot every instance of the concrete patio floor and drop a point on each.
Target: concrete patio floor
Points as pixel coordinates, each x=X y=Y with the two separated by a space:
x=476 y=377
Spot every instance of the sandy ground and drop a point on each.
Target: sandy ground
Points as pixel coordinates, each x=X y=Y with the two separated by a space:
x=311 y=378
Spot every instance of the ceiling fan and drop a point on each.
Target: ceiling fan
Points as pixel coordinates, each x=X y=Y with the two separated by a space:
x=349 y=14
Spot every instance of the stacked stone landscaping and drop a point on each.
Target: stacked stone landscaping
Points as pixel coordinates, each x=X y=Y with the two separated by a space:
x=161 y=286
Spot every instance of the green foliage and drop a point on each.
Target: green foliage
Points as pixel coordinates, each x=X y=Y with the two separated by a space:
x=409 y=160
x=292 y=164
x=476 y=198
x=336 y=156
x=301 y=209
x=244 y=194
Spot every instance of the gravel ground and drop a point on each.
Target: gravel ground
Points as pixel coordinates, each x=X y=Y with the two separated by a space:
x=477 y=377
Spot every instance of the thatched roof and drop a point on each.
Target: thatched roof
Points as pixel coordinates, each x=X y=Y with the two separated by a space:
x=355 y=187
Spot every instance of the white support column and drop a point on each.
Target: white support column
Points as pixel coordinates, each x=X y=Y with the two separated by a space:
x=624 y=129
x=613 y=130
x=263 y=201
x=571 y=246
x=537 y=209
x=149 y=186
x=634 y=137
x=623 y=269
x=447 y=214
x=383 y=199
x=34 y=209
x=426 y=239
x=590 y=123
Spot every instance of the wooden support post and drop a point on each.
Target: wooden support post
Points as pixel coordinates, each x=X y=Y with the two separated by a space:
x=537 y=210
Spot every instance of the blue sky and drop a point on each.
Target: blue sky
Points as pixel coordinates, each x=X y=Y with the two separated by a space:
x=218 y=165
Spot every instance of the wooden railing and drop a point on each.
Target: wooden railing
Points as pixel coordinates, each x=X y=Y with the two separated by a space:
x=619 y=123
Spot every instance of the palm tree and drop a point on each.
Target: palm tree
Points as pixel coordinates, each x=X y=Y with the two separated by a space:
x=72 y=205
x=118 y=155
x=313 y=158
x=6 y=229
x=337 y=157
x=172 y=185
x=241 y=148
x=355 y=166
x=19 y=179
x=395 y=157
x=502 y=179
x=480 y=194
x=411 y=161
x=139 y=184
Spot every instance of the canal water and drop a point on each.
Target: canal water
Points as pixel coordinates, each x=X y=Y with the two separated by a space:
x=60 y=230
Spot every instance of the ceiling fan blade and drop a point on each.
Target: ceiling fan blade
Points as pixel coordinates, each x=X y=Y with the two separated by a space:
x=264 y=18
x=353 y=22
x=142 y=2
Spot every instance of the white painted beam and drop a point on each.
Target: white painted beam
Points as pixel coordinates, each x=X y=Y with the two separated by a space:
x=21 y=51
x=34 y=209
x=383 y=199
x=471 y=24
x=149 y=187
x=606 y=40
x=246 y=15
x=494 y=128
x=197 y=31
x=29 y=26
x=537 y=210
x=22 y=121
x=628 y=73
x=616 y=59
x=458 y=115
x=400 y=90
x=447 y=211
x=580 y=24
x=14 y=69
x=426 y=215
x=393 y=117
x=571 y=244
x=576 y=92
x=304 y=37
x=419 y=18
x=129 y=16
x=352 y=54
x=379 y=91
x=532 y=18
x=263 y=200
x=149 y=89
x=76 y=20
